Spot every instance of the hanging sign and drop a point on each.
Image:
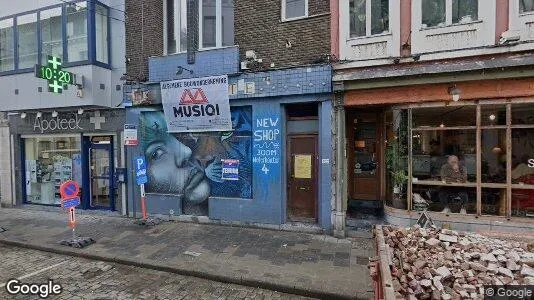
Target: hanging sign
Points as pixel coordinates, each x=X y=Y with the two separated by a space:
x=230 y=169
x=197 y=104
x=57 y=78
x=130 y=135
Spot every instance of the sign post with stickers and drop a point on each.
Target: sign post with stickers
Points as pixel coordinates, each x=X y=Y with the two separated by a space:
x=141 y=178
x=69 y=192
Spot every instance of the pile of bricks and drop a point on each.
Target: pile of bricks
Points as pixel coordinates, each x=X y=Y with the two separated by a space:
x=432 y=263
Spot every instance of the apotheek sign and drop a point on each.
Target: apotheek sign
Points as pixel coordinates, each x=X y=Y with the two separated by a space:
x=57 y=124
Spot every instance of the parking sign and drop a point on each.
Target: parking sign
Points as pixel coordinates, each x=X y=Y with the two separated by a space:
x=140 y=170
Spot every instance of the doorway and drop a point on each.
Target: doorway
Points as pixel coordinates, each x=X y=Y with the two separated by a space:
x=365 y=153
x=100 y=164
x=302 y=178
x=302 y=129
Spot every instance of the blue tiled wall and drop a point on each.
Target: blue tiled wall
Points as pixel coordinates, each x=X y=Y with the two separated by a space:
x=207 y=63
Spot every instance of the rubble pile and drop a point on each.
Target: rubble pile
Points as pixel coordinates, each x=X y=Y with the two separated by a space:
x=432 y=263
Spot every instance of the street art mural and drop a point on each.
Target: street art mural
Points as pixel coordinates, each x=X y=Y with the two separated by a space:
x=190 y=165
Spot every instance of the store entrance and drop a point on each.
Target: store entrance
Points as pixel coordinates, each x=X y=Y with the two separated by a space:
x=365 y=163
x=100 y=165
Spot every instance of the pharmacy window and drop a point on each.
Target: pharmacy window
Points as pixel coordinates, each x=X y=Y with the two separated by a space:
x=437 y=13
x=368 y=17
x=215 y=24
x=294 y=9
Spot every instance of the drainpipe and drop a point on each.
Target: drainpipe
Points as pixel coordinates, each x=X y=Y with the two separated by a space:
x=340 y=162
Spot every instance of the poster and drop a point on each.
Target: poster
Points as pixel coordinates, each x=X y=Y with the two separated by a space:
x=230 y=169
x=130 y=135
x=303 y=166
x=197 y=104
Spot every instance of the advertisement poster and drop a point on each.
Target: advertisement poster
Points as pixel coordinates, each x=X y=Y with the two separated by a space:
x=303 y=166
x=230 y=169
x=197 y=104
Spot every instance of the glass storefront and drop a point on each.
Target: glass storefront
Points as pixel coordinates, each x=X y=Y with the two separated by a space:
x=469 y=158
x=50 y=161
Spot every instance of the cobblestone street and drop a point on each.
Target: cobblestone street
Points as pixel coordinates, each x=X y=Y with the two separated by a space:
x=87 y=279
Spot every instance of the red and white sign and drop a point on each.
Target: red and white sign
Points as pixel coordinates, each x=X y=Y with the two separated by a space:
x=197 y=104
x=130 y=135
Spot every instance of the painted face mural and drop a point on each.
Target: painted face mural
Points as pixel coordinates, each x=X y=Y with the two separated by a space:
x=190 y=164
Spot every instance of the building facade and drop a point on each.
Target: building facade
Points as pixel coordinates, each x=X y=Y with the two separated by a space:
x=60 y=70
x=434 y=106
x=274 y=66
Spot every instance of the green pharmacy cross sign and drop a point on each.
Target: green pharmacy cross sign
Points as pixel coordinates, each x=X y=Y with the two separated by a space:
x=56 y=77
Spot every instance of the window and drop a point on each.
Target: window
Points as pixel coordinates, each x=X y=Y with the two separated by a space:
x=60 y=31
x=7 y=49
x=439 y=13
x=27 y=40
x=215 y=26
x=49 y=162
x=462 y=163
x=526 y=6
x=374 y=11
x=292 y=9
x=77 y=31
x=101 y=31
x=51 y=34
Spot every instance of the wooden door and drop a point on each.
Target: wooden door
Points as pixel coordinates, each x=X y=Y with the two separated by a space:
x=302 y=177
x=365 y=156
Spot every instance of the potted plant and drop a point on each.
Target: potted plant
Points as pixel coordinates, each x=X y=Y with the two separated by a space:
x=395 y=156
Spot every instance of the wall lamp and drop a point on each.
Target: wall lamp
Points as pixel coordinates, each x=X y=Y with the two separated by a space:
x=80 y=111
x=454 y=92
x=23 y=115
x=181 y=69
x=54 y=114
x=39 y=114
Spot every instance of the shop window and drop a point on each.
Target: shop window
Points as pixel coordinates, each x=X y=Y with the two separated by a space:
x=436 y=13
x=523 y=114
x=377 y=11
x=493 y=143
x=493 y=202
x=442 y=198
x=27 y=40
x=101 y=31
x=51 y=34
x=444 y=117
x=523 y=202
x=396 y=157
x=526 y=6
x=292 y=9
x=49 y=162
x=77 y=31
x=7 y=48
x=215 y=28
x=523 y=156
x=493 y=115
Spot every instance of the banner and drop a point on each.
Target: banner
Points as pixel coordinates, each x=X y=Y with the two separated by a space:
x=197 y=104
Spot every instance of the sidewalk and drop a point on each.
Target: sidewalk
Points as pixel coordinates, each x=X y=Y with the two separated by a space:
x=305 y=264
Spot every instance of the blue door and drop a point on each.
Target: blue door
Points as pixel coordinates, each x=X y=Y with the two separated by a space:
x=101 y=192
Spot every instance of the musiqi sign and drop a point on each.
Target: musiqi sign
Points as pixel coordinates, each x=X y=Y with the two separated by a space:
x=197 y=104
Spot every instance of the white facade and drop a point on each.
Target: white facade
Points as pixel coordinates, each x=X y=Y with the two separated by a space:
x=102 y=85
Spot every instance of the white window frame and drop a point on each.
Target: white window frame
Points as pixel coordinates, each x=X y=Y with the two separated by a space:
x=177 y=22
x=448 y=15
x=368 y=20
x=306 y=11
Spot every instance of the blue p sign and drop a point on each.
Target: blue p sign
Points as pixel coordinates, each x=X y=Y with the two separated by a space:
x=140 y=170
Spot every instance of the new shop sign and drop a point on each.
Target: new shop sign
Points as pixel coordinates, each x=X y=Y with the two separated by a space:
x=197 y=104
x=57 y=124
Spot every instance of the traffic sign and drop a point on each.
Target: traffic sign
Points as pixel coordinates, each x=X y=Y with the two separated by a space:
x=69 y=189
x=71 y=202
x=140 y=170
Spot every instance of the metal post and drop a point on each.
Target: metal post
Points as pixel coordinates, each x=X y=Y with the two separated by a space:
x=143 y=204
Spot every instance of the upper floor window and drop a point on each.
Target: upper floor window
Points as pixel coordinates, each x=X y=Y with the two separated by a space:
x=526 y=6
x=368 y=17
x=215 y=26
x=7 y=45
x=62 y=31
x=443 y=12
x=294 y=9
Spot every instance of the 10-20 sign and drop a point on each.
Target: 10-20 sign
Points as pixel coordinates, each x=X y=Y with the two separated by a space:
x=56 y=77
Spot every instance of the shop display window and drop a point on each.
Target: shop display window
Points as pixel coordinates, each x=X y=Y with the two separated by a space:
x=50 y=161
x=472 y=158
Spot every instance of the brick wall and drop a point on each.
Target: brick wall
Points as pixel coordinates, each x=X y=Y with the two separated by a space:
x=139 y=49
x=258 y=27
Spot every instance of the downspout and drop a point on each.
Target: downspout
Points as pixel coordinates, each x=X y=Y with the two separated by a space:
x=340 y=162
